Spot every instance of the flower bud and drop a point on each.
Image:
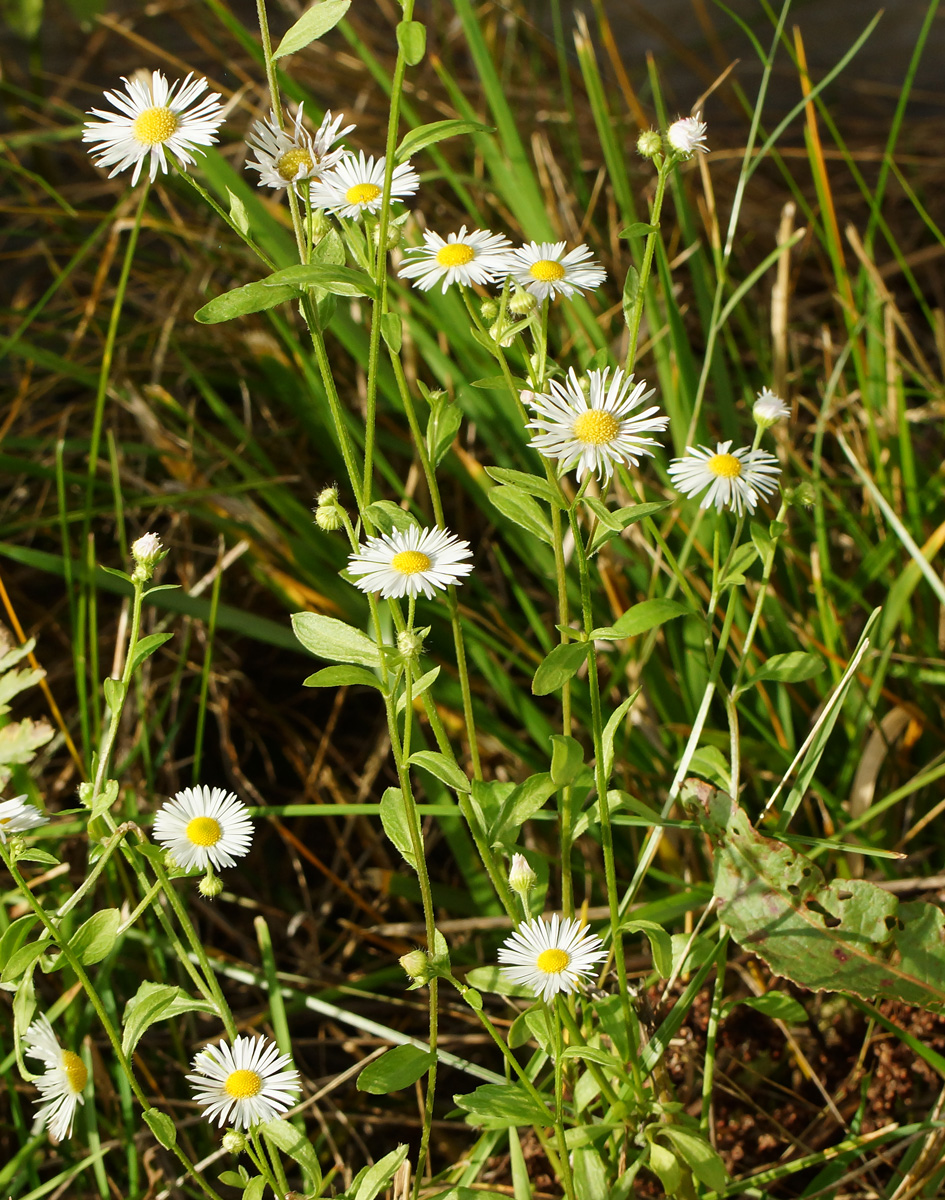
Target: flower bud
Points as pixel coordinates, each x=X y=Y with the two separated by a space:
x=147 y=552
x=649 y=143
x=805 y=494
x=395 y=236
x=489 y=309
x=500 y=333
x=769 y=408
x=210 y=886
x=328 y=517
x=328 y=495
x=417 y=965
x=522 y=303
x=521 y=877
x=321 y=224
x=410 y=643
x=234 y=1141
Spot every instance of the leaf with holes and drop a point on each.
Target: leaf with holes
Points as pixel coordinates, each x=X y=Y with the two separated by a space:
x=844 y=936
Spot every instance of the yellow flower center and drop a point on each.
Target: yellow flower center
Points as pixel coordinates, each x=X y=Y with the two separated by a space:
x=362 y=193
x=553 y=962
x=5 y=820
x=154 y=125
x=288 y=165
x=726 y=465
x=75 y=1069
x=243 y=1085
x=596 y=428
x=410 y=562
x=546 y=270
x=204 y=831
x=456 y=254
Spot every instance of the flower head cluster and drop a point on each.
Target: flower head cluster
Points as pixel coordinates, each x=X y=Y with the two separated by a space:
x=735 y=479
x=243 y=1084
x=204 y=827
x=596 y=427
x=153 y=118
x=61 y=1084
x=553 y=956
x=290 y=156
x=408 y=562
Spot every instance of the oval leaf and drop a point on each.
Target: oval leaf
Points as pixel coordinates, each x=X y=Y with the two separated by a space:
x=314 y=23
x=398 y=1068
x=501 y=1106
x=339 y=280
x=412 y=40
x=436 y=131
x=329 y=638
x=558 y=667
x=155 y=1002
x=642 y=617
x=523 y=509
x=294 y=1143
x=250 y=298
x=442 y=768
x=93 y=940
x=161 y=1126
x=787 y=668
x=342 y=677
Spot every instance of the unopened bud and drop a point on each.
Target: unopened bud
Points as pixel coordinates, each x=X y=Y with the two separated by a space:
x=210 y=886
x=521 y=877
x=489 y=309
x=321 y=224
x=500 y=333
x=234 y=1141
x=147 y=552
x=649 y=143
x=394 y=236
x=410 y=643
x=522 y=303
x=328 y=517
x=327 y=495
x=417 y=966
x=804 y=494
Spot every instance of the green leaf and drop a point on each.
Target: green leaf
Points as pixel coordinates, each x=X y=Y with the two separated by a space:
x=637 y=229
x=392 y=331
x=331 y=639
x=492 y=979
x=742 y=559
x=342 y=677
x=412 y=40
x=396 y=1069
x=23 y=959
x=33 y=855
x=776 y=1005
x=293 y=1142
x=614 y=722
x=239 y=214
x=698 y=1155
x=436 y=131
x=154 y=1002
x=523 y=509
x=338 y=280
x=642 y=617
x=232 y=1179
x=396 y=825
x=558 y=667
x=255 y=1189
x=442 y=428
x=14 y=682
x=96 y=937
x=664 y=1163
x=442 y=768
x=623 y=518
x=105 y=799
x=631 y=289
x=241 y=301
x=787 y=668
x=14 y=936
x=115 y=692
x=660 y=941
x=161 y=1126
x=20 y=740
x=502 y=1106
x=535 y=485
x=388 y=516
x=373 y=1180
x=567 y=759
x=146 y=647
x=603 y=1058
x=498 y=383
x=314 y=23
x=419 y=687
x=527 y=799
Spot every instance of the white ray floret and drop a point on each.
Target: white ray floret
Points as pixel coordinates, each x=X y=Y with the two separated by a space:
x=356 y=185
x=551 y=956
x=687 y=136
x=466 y=258
x=16 y=816
x=409 y=561
x=203 y=827
x=243 y=1084
x=735 y=479
x=544 y=269
x=596 y=427
x=154 y=118
x=292 y=155
x=769 y=408
x=62 y=1083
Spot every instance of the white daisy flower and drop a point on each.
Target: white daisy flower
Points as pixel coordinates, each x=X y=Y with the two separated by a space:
x=286 y=156
x=151 y=118
x=735 y=478
x=551 y=957
x=594 y=428
x=409 y=561
x=545 y=270
x=466 y=258
x=17 y=817
x=769 y=408
x=204 y=827
x=244 y=1084
x=62 y=1083
x=356 y=185
x=687 y=135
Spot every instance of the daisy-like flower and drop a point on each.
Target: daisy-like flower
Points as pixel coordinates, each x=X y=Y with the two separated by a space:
x=545 y=270
x=598 y=427
x=550 y=957
x=152 y=118
x=62 y=1083
x=687 y=135
x=16 y=816
x=286 y=156
x=409 y=561
x=465 y=258
x=735 y=478
x=769 y=408
x=204 y=827
x=356 y=185
x=245 y=1083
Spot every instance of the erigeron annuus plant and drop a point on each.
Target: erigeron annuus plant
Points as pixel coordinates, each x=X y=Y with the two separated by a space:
x=581 y=1065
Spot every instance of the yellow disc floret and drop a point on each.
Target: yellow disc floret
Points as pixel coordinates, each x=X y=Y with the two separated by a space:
x=203 y=831
x=553 y=962
x=243 y=1085
x=596 y=428
x=75 y=1071
x=289 y=164
x=154 y=126
x=546 y=270
x=456 y=254
x=362 y=193
x=410 y=562
x=726 y=465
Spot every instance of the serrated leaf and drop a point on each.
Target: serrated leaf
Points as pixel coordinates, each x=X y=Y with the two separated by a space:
x=641 y=618
x=534 y=485
x=293 y=1142
x=314 y=23
x=502 y=1106
x=154 y=1002
x=794 y=667
x=14 y=682
x=442 y=768
x=241 y=301
x=523 y=509
x=412 y=40
x=396 y=825
x=436 y=131
x=161 y=1126
x=395 y=1069
x=343 y=676
x=558 y=667
x=9 y=658
x=329 y=638
x=94 y=939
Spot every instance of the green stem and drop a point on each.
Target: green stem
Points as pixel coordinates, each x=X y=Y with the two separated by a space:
x=108 y=741
x=566 y=1177
x=636 y=313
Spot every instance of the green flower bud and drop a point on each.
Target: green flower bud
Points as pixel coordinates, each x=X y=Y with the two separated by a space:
x=328 y=495
x=328 y=517
x=521 y=877
x=234 y=1141
x=522 y=303
x=417 y=965
x=489 y=309
x=649 y=143
x=210 y=886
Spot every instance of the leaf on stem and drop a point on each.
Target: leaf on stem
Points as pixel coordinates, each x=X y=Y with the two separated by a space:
x=154 y=1002
x=559 y=666
x=640 y=618
x=332 y=639
x=314 y=23
x=523 y=509
x=436 y=131
x=395 y=1069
